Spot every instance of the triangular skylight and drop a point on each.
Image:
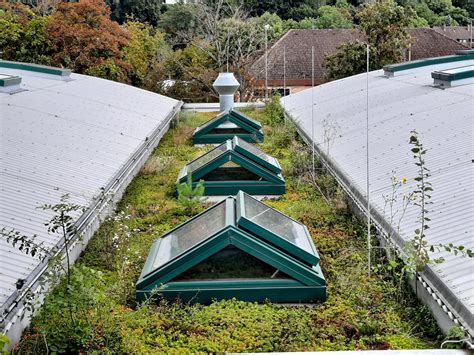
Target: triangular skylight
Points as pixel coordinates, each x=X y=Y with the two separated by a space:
x=225 y=126
x=251 y=170
x=182 y=263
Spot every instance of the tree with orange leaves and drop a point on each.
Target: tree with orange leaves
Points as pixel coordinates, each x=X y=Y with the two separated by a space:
x=83 y=36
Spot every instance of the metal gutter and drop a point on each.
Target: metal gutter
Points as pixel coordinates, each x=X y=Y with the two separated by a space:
x=88 y=222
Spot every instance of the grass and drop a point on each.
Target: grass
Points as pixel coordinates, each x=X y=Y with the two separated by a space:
x=360 y=313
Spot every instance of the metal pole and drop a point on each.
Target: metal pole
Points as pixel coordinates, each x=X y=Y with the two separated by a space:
x=284 y=74
x=470 y=46
x=312 y=108
x=266 y=63
x=368 y=170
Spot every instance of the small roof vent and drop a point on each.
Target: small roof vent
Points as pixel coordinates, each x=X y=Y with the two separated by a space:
x=226 y=85
x=9 y=84
x=454 y=77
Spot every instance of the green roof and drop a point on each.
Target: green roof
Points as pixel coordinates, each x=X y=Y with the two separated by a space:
x=256 y=253
x=233 y=166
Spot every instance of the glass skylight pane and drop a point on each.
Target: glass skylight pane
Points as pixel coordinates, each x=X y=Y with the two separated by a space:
x=206 y=158
x=255 y=151
x=227 y=125
x=190 y=234
x=277 y=223
x=212 y=120
x=457 y=70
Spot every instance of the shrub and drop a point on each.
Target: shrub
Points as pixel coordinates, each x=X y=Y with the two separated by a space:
x=155 y=165
x=273 y=112
x=189 y=197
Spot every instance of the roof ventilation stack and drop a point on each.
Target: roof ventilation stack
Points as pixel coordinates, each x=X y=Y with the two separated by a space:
x=226 y=85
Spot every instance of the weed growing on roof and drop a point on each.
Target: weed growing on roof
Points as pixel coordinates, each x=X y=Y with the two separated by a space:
x=189 y=197
x=155 y=165
x=274 y=114
x=360 y=313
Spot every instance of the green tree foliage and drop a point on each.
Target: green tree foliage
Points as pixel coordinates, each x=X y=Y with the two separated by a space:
x=148 y=11
x=194 y=72
x=188 y=196
x=296 y=9
x=441 y=12
x=109 y=70
x=384 y=25
x=467 y=5
x=332 y=17
x=180 y=23
x=23 y=35
x=145 y=52
x=350 y=59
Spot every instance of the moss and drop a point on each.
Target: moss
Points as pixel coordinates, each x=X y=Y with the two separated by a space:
x=360 y=313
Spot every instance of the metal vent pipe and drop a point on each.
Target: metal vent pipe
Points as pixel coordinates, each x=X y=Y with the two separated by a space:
x=226 y=85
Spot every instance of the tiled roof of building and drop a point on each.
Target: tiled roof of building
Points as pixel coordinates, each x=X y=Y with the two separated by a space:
x=297 y=45
x=457 y=33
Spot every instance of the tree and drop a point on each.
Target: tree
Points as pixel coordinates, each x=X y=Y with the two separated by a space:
x=467 y=5
x=228 y=39
x=194 y=72
x=146 y=53
x=83 y=36
x=148 y=11
x=296 y=9
x=23 y=35
x=349 y=59
x=188 y=197
x=384 y=25
x=332 y=17
x=180 y=23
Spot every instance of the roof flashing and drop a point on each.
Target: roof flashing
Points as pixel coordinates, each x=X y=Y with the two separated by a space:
x=41 y=70
x=395 y=69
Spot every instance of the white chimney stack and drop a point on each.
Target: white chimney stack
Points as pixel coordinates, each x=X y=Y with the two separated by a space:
x=226 y=85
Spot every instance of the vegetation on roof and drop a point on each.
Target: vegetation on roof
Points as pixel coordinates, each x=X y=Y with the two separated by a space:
x=360 y=313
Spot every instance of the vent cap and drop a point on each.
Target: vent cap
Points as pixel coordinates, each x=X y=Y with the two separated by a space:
x=226 y=85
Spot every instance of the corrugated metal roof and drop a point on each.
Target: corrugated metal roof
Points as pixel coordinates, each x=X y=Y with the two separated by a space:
x=398 y=105
x=64 y=136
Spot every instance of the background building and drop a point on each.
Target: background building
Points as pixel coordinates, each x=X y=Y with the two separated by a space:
x=297 y=45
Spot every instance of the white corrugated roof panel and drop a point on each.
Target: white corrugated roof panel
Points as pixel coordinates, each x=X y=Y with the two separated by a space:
x=444 y=120
x=64 y=137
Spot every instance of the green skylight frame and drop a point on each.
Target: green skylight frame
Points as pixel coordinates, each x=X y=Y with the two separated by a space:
x=303 y=282
x=454 y=74
x=252 y=130
x=257 y=163
x=275 y=233
x=9 y=80
x=391 y=69
x=38 y=68
x=255 y=154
